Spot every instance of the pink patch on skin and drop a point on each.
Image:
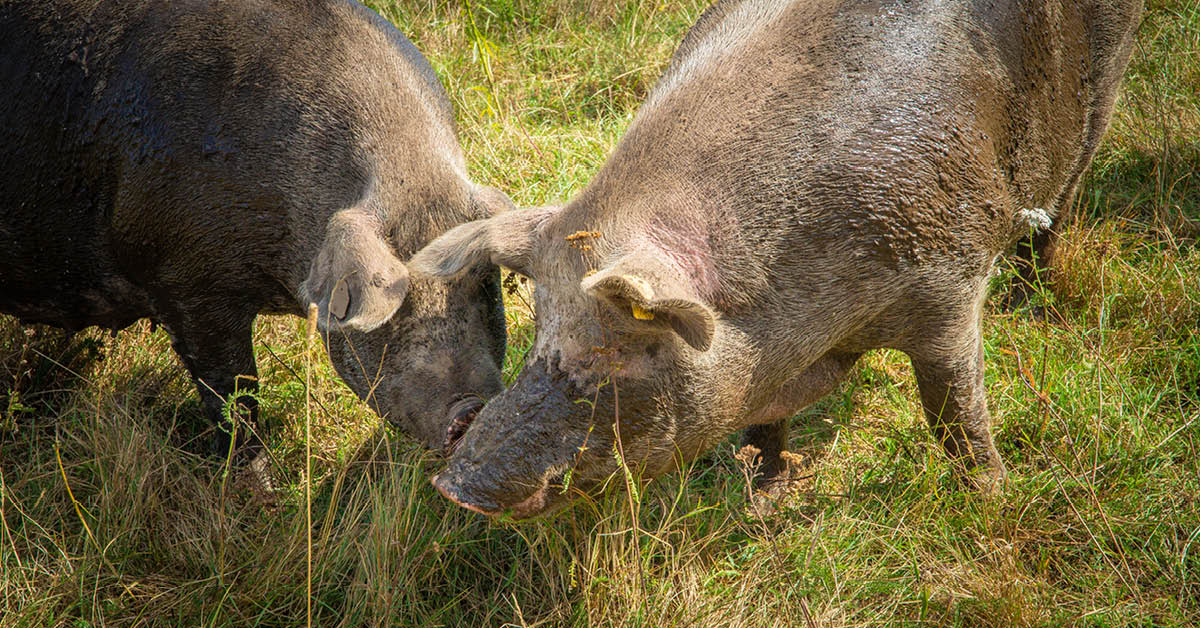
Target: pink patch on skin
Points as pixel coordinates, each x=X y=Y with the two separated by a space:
x=687 y=247
x=532 y=505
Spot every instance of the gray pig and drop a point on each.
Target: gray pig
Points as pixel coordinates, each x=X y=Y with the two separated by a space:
x=201 y=162
x=808 y=181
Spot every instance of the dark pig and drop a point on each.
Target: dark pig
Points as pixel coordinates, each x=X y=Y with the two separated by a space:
x=202 y=161
x=808 y=181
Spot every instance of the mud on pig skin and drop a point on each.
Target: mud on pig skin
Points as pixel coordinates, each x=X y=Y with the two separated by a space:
x=808 y=181
x=201 y=162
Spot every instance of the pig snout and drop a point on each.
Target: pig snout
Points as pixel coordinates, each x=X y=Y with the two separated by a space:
x=510 y=459
x=449 y=484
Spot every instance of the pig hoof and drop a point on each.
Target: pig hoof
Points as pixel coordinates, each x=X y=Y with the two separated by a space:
x=762 y=505
x=989 y=482
x=462 y=413
x=783 y=477
x=988 y=478
x=256 y=479
x=768 y=496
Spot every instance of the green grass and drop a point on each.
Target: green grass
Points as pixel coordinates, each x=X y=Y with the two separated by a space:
x=1097 y=414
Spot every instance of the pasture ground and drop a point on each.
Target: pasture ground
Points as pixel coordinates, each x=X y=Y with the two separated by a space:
x=107 y=518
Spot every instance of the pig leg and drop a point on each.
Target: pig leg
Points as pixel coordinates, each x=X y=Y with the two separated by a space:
x=1033 y=260
x=955 y=403
x=797 y=393
x=1035 y=257
x=221 y=362
x=771 y=440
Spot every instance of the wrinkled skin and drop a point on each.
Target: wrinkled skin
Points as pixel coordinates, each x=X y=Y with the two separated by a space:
x=808 y=181
x=201 y=162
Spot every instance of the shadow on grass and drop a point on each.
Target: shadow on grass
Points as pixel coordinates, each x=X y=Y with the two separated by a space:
x=1147 y=188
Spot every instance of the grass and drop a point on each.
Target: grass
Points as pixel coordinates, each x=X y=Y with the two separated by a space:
x=109 y=518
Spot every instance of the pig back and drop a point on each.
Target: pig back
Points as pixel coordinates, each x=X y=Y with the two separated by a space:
x=893 y=135
x=157 y=146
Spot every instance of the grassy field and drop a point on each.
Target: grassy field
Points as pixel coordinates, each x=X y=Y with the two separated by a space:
x=108 y=518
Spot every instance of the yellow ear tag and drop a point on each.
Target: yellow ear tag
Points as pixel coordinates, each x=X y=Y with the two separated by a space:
x=641 y=313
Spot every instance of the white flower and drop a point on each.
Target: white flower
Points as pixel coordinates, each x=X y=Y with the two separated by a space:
x=1035 y=217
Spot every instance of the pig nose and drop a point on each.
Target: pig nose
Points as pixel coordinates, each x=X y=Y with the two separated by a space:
x=534 y=504
x=451 y=492
x=462 y=413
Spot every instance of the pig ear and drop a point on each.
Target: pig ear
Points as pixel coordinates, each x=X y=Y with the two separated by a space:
x=653 y=292
x=492 y=201
x=507 y=240
x=356 y=280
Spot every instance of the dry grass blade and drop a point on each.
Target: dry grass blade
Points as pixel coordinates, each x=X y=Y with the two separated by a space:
x=309 y=337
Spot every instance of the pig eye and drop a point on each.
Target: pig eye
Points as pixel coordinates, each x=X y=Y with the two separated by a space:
x=652 y=349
